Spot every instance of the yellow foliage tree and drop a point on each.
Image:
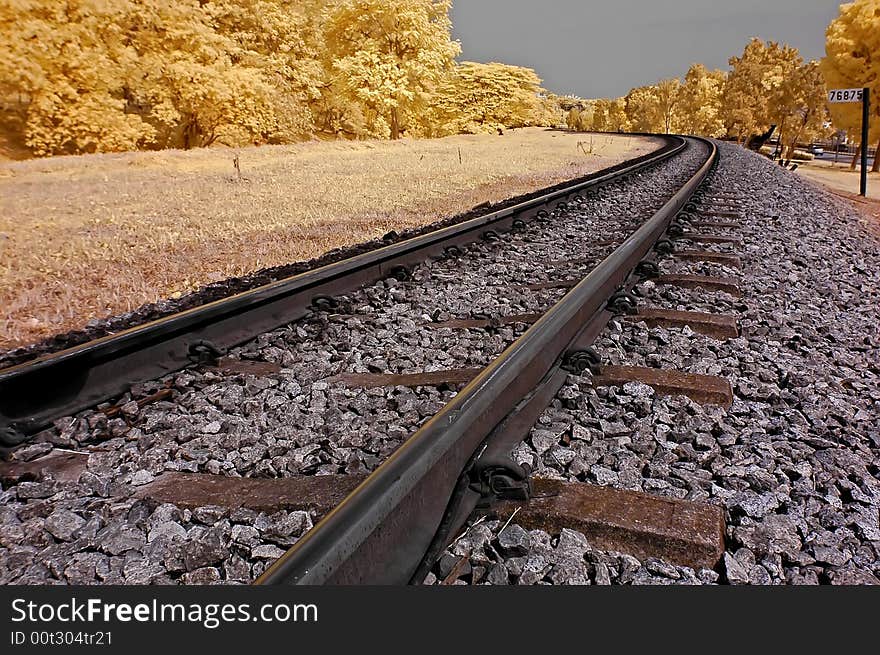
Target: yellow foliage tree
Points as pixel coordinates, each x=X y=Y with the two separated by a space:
x=609 y=115
x=799 y=106
x=699 y=102
x=769 y=83
x=548 y=112
x=59 y=74
x=567 y=103
x=585 y=117
x=283 y=41
x=643 y=111
x=852 y=60
x=755 y=87
x=667 y=100
x=577 y=111
x=486 y=98
x=104 y=75
x=239 y=71
x=616 y=117
x=388 y=55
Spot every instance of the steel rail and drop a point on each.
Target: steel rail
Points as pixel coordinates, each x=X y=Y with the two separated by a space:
x=35 y=393
x=382 y=531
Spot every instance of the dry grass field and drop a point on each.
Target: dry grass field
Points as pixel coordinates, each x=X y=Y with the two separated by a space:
x=97 y=235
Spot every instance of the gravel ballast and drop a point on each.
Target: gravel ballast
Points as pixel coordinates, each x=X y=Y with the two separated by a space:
x=795 y=462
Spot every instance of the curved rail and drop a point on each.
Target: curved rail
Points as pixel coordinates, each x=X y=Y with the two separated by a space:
x=35 y=393
x=384 y=530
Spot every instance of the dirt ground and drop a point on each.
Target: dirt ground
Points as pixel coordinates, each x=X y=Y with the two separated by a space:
x=839 y=177
x=97 y=235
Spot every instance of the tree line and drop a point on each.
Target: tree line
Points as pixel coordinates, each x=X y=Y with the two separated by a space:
x=769 y=84
x=81 y=76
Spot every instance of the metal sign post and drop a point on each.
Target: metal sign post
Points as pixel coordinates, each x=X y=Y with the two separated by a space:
x=863 y=96
x=863 y=183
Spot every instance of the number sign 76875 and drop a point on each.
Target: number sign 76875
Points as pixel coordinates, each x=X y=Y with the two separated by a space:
x=845 y=95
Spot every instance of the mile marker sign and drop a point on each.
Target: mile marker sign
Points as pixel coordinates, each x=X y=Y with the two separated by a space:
x=857 y=95
x=845 y=95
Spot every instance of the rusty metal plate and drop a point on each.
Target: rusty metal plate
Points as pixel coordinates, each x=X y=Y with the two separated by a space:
x=631 y=522
x=162 y=394
x=317 y=493
x=469 y=323
x=540 y=286
x=715 y=224
x=718 y=326
x=711 y=238
x=720 y=214
x=709 y=256
x=63 y=465
x=232 y=366
x=427 y=379
x=705 y=389
x=705 y=282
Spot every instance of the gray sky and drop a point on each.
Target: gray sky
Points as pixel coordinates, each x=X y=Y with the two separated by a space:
x=603 y=49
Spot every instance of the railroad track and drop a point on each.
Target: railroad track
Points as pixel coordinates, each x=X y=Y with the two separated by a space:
x=398 y=515
x=36 y=392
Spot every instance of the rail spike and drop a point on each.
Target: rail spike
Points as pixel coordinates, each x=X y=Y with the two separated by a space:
x=665 y=247
x=10 y=437
x=500 y=479
x=204 y=352
x=583 y=360
x=676 y=230
x=401 y=273
x=324 y=303
x=623 y=303
x=647 y=269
